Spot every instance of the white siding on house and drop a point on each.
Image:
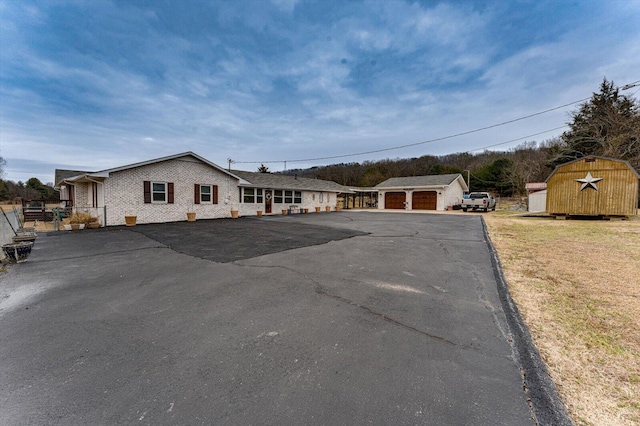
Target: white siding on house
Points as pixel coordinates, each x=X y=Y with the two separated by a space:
x=124 y=192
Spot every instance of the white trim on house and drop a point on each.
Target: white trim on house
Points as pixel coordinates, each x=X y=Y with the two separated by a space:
x=209 y=194
x=167 y=158
x=106 y=173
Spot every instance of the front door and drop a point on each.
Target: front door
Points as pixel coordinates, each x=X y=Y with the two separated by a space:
x=267 y=201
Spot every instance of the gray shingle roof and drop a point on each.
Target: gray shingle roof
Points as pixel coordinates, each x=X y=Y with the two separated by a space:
x=418 y=181
x=65 y=174
x=62 y=174
x=276 y=181
x=170 y=157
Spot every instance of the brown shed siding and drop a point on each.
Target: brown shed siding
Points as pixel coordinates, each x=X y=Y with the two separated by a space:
x=617 y=192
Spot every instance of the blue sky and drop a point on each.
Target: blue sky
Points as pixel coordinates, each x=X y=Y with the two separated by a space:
x=91 y=85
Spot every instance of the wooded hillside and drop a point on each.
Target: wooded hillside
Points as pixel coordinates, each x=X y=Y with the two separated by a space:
x=503 y=173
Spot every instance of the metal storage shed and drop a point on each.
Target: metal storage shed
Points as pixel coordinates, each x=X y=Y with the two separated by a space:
x=537 y=201
x=593 y=186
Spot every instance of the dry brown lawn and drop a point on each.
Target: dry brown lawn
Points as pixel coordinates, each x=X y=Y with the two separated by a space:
x=577 y=285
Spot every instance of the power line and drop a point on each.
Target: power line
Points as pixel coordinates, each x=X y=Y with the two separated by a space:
x=518 y=139
x=423 y=142
x=333 y=157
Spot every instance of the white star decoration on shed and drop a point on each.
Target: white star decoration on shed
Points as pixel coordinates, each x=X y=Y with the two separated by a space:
x=589 y=181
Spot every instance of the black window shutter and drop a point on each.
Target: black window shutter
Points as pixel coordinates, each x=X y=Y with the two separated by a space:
x=147 y=191
x=170 y=192
x=196 y=194
x=214 y=196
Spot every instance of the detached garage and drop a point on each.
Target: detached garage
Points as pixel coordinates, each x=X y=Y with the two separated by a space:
x=434 y=192
x=593 y=186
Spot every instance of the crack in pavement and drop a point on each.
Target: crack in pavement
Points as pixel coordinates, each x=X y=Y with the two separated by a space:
x=323 y=292
x=482 y=298
x=84 y=256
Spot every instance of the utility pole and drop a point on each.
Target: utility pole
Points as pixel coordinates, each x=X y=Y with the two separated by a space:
x=468 y=179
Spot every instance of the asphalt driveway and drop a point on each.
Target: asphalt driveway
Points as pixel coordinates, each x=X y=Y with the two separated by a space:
x=341 y=318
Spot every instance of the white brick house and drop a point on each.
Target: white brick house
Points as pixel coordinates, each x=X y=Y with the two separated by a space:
x=165 y=189
x=160 y=190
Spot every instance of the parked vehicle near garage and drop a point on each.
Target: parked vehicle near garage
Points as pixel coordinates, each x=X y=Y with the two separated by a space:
x=479 y=201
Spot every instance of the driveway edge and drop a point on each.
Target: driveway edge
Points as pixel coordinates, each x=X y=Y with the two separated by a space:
x=546 y=405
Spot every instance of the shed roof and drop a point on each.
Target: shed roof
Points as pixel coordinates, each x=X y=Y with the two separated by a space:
x=420 y=181
x=277 y=181
x=595 y=156
x=535 y=186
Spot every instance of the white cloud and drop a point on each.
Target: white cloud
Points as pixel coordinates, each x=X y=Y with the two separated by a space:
x=266 y=86
x=285 y=5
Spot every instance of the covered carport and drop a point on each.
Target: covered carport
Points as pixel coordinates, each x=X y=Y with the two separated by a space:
x=359 y=198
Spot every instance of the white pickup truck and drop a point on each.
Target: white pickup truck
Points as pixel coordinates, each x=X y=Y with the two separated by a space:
x=478 y=201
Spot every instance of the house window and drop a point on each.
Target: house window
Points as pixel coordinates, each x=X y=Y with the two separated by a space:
x=252 y=195
x=248 y=195
x=159 y=192
x=320 y=196
x=205 y=194
x=286 y=197
x=202 y=194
